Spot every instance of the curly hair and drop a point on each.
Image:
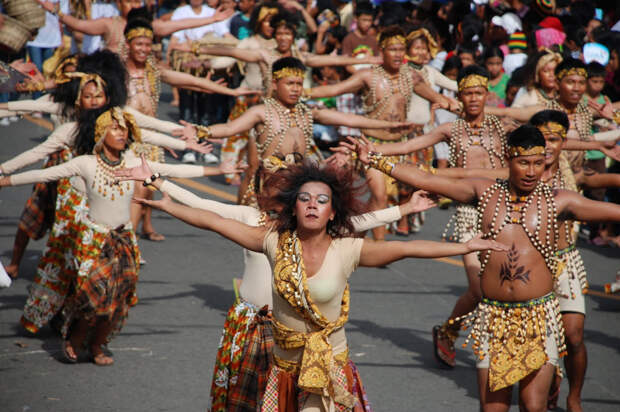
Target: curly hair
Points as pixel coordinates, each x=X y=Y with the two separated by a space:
x=345 y=198
x=109 y=66
x=286 y=19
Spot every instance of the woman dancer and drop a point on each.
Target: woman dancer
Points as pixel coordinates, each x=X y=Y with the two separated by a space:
x=312 y=253
x=543 y=87
x=106 y=247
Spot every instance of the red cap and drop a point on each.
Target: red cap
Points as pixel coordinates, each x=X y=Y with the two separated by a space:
x=551 y=22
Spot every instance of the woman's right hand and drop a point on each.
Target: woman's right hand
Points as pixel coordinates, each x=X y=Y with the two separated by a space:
x=478 y=244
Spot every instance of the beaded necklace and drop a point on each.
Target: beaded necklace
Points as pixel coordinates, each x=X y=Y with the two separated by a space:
x=299 y=116
x=583 y=117
x=564 y=179
x=546 y=249
x=105 y=181
x=149 y=83
x=543 y=97
x=402 y=84
x=461 y=128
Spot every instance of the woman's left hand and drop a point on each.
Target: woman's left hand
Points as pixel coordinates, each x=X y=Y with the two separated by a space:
x=420 y=201
x=138 y=173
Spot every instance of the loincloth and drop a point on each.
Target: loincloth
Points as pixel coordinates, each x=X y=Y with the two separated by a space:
x=514 y=339
x=391 y=184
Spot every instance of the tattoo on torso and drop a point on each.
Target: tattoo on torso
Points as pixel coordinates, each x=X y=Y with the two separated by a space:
x=510 y=271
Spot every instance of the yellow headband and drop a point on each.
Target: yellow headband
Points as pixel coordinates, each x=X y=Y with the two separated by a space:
x=430 y=41
x=473 y=80
x=124 y=120
x=553 y=128
x=266 y=12
x=579 y=71
x=273 y=163
x=139 y=32
x=517 y=151
x=85 y=78
x=288 y=72
x=388 y=41
x=60 y=76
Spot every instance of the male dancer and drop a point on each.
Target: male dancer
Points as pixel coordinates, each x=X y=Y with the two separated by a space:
x=283 y=124
x=516 y=330
x=388 y=91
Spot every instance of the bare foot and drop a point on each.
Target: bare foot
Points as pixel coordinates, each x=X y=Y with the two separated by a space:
x=12 y=270
x=99 y=358
x=554 y=393
x=69 y=352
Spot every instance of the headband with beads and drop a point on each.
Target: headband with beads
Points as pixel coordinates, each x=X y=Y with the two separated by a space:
x=430 y=41
x=266 y=12
x=473 y=80
x=125 y=120
x=60 y=76
x=388 y=41
x=579 y=71
x=517 y=151
x=85 y=78
x=553 y=128
x=139 y=32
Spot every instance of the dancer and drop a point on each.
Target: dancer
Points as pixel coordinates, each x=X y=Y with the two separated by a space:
x=108 y=255
x=388 y=94
x=312 y=256
x=245 y=352
x=284 y=125
x=516 y=332
x=543 y=87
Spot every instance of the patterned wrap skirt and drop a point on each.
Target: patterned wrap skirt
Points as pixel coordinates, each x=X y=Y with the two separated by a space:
x=107 y=275
x=243 y=360
x=57 y=268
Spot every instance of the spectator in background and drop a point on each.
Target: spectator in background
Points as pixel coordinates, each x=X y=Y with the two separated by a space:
x=517 y=44
x=240 y=22
x=493 y=60
x=362 y=41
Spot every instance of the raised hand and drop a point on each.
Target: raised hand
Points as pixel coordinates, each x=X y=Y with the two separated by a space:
x=223 y=14
x=47 y=5
x=139 y=173
x=478 y=244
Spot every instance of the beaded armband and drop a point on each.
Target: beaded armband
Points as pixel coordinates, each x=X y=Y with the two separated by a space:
x=149 y=180
x=616 y=116
x=203 y=132
x=377 y=161
x=195 y=48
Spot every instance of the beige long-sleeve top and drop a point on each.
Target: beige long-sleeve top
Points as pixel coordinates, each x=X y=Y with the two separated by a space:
x=63 y=137
x=256 y=284
x=46 y=105
x=103 y=210
x=420 y=108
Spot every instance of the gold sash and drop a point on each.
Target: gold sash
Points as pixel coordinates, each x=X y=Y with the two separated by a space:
x=318 y=364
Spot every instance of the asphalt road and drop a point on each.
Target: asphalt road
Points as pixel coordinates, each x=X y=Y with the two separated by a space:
x=165 y=354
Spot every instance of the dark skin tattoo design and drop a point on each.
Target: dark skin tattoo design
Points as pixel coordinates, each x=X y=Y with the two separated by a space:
x=510 y=271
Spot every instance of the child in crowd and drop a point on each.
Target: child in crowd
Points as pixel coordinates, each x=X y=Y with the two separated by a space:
x=493 y=59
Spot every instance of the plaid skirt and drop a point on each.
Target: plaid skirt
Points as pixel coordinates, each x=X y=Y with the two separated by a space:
x=38 y=214
x=105 y=286
x=283 y=395
x=57 y=267
x=243 y=359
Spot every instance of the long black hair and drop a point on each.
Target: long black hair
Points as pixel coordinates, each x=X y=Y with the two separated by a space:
x=85 y=133
x=110 y=67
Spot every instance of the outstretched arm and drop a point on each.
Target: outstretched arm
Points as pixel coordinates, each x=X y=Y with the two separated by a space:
x=417 y=143
x=241 y=124
x=600 y=180
x=163 y=28
x=187 y=81
x=244 y=235
x=249 y=56
x=93 y=27
x=320 y=60
x=522 y=114
x=382 y=253
x=353 y=84
x=336 y=118
x=573 y=206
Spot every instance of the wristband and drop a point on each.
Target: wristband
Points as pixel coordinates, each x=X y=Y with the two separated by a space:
x=149 y=180
x=203 y=132
x=377 y=161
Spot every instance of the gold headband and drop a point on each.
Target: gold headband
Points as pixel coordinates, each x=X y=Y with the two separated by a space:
x=139 y=32
x=60 y=76
x=266 y=12
x=430 y=41
x=388 y=41
x=553 y=128
x=544 y=60
x=473 y=80
x=124 y=120
x=579 y=71
x=288 y=72
x=85 y=78
x=517 y=151
x=273 y=163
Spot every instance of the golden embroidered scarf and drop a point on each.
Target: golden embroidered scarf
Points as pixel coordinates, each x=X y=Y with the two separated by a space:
x=317 y=369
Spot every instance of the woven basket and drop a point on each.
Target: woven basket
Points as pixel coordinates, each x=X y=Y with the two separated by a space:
x=14 y=34
x=16 y=8
x=33 y=19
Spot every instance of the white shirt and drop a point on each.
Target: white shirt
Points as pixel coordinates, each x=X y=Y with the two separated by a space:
x=49 y=36
x=91 y=44
x=186 y=12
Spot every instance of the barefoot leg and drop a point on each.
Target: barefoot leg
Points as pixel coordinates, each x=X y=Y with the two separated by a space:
x=19 y=247
x=102 y=331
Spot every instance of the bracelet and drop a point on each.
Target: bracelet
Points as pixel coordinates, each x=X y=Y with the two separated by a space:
x=616 y=116
x=203 y=132
x=377 y=161
x=195 y=48
x=149 y=180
